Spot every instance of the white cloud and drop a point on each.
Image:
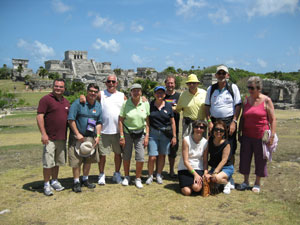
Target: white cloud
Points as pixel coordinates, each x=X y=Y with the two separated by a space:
x=262 y=63
x=106 y=23
x=187 y=7
x=221 y=16
x=111 y=45
x=135 y=27
x=41 y=52
x=261 y=34
x=267 y=7
x=60 y=7
x=136 y=59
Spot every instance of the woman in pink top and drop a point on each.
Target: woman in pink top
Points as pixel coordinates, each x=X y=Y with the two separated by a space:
x=258 y=116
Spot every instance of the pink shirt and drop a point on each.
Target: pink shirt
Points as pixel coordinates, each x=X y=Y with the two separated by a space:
x=255 y=120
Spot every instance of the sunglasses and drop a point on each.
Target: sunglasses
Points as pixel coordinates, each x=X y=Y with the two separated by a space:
x=110 y=81
x=201 y=127
x=95 y=92
x=219 y=130
x=251 y=88
x=221 y=73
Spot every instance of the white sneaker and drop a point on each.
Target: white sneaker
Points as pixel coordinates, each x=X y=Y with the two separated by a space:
x=48 y=190
x=117 y=177
x=232 y=185
x=101 y=179
x=138 y=183
x=149 y=180
x=159 y=179
x=227 y=188
x=126 y=181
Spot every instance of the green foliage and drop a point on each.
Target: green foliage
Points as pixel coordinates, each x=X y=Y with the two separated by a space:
x=74 y=90
x=178 y=80
x=5 y=72
x=42 y=72
x=117 y=71
x=9 y=100
x=53 y=76
x=170 y=69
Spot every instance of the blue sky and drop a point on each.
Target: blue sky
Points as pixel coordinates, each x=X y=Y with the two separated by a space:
x=257 y=35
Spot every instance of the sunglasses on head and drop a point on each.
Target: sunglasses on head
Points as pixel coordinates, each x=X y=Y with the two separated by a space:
x=201 y=127
x=219 y=130
x=251 y=88
x=110 y=81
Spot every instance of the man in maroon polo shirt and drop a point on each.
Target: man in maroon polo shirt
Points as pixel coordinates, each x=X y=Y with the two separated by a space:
x=51 y=118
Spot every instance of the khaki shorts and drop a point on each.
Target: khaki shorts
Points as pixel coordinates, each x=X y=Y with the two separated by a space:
x=75 y=160
x=54 y=154
x=138 y=146
x=109 y=142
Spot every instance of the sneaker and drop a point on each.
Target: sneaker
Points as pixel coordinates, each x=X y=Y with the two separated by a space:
x=149 y=180
x=227 y=188
x=159 y=179
x=243 y=186
x=117 y=177
x=138 y=183
x=48 y=190
x=101 y=179
x=126 y=181
x=87 y=184
x=232 y=185
x=76 y=187
x=57 y=186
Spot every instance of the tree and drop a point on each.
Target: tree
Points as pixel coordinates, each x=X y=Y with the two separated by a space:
x=147 y=87
x=20 y=69
x=179 y=70
x=170 y=69
x=53 y=76
x=42 y=72
x=9 y=100
x=117 y=71
x=5 y=72
x=178 y=80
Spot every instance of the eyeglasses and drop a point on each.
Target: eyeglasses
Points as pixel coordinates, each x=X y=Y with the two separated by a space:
x=251 y=88
x=110 y=81
x=201 y=127
x=95 y=92
x=192 y=83
x=221 y=73
x=219 y=130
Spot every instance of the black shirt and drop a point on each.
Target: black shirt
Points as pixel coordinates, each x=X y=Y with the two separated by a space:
x=160 y=118
x=216 y=152
x=173 y=100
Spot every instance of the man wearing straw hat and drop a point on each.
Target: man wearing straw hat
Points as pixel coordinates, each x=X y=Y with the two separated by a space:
x=191 y=102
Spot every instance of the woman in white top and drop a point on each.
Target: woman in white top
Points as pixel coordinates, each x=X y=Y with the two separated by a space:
x=190 y=168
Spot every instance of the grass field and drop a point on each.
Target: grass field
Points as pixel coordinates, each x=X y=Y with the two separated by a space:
x=22 y=200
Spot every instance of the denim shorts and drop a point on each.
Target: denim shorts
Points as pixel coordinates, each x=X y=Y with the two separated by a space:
x=158 y=143
x=229 y=170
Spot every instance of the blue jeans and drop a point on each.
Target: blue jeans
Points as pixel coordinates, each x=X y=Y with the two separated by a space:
x=158 y=143
x=229 y=170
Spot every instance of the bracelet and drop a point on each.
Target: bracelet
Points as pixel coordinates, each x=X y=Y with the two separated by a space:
x=192 y=171
x=98 y=135
x=121 y=136
x=209 y=120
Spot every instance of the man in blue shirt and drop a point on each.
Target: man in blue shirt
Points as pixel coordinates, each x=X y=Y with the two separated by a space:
x=85 y=120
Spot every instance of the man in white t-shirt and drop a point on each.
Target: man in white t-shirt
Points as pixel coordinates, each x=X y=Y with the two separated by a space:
x=111 y=101
x=223 y=102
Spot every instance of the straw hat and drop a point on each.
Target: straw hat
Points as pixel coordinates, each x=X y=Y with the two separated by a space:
x=192 y=79
x=85 y=149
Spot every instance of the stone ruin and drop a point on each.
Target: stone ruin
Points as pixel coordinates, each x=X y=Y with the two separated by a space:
x=284 y=94
x=20 y=75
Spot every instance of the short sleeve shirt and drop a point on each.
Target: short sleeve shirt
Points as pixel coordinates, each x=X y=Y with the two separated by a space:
x=221 y=103
x=173 y=100
x=82 y=112
x=55 y=116
x=135 y=116
x=160 y=118
x=192 y=105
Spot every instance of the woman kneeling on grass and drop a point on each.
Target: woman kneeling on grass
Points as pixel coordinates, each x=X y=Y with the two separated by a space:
x=190 y=168
x=219 y=157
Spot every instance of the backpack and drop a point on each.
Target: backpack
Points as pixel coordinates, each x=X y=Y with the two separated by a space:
x=215 y=86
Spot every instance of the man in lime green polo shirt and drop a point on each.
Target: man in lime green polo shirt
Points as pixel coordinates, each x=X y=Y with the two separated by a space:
x=191 y=102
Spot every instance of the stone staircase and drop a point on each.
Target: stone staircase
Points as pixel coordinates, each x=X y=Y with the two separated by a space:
x=83 y=67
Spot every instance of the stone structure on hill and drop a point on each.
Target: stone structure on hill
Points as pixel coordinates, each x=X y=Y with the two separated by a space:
x=20 y=69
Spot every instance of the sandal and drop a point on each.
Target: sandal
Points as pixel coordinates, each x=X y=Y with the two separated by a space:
x=256 y=189
x=242 y=187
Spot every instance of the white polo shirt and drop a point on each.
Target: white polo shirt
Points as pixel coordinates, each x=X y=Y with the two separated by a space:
x=111 y=106
x=221 y=103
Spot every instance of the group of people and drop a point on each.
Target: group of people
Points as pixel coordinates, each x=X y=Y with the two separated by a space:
x=105 y=121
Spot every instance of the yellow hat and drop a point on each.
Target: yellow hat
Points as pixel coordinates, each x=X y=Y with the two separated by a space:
x=192 y=79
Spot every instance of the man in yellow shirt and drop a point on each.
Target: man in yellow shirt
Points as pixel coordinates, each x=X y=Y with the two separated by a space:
x=191 y=102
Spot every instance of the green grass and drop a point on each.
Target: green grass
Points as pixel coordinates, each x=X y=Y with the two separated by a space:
x=21 y=185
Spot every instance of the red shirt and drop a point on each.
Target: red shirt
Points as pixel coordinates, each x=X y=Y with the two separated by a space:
x=55 y=116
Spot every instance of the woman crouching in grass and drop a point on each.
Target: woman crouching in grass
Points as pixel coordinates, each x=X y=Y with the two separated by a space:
x=220 y=154
x=190 y=168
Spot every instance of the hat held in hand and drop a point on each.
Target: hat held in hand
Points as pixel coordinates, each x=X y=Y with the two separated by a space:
x=85 y=149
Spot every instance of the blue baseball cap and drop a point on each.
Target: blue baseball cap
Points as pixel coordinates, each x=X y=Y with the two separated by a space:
x=159 y=88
